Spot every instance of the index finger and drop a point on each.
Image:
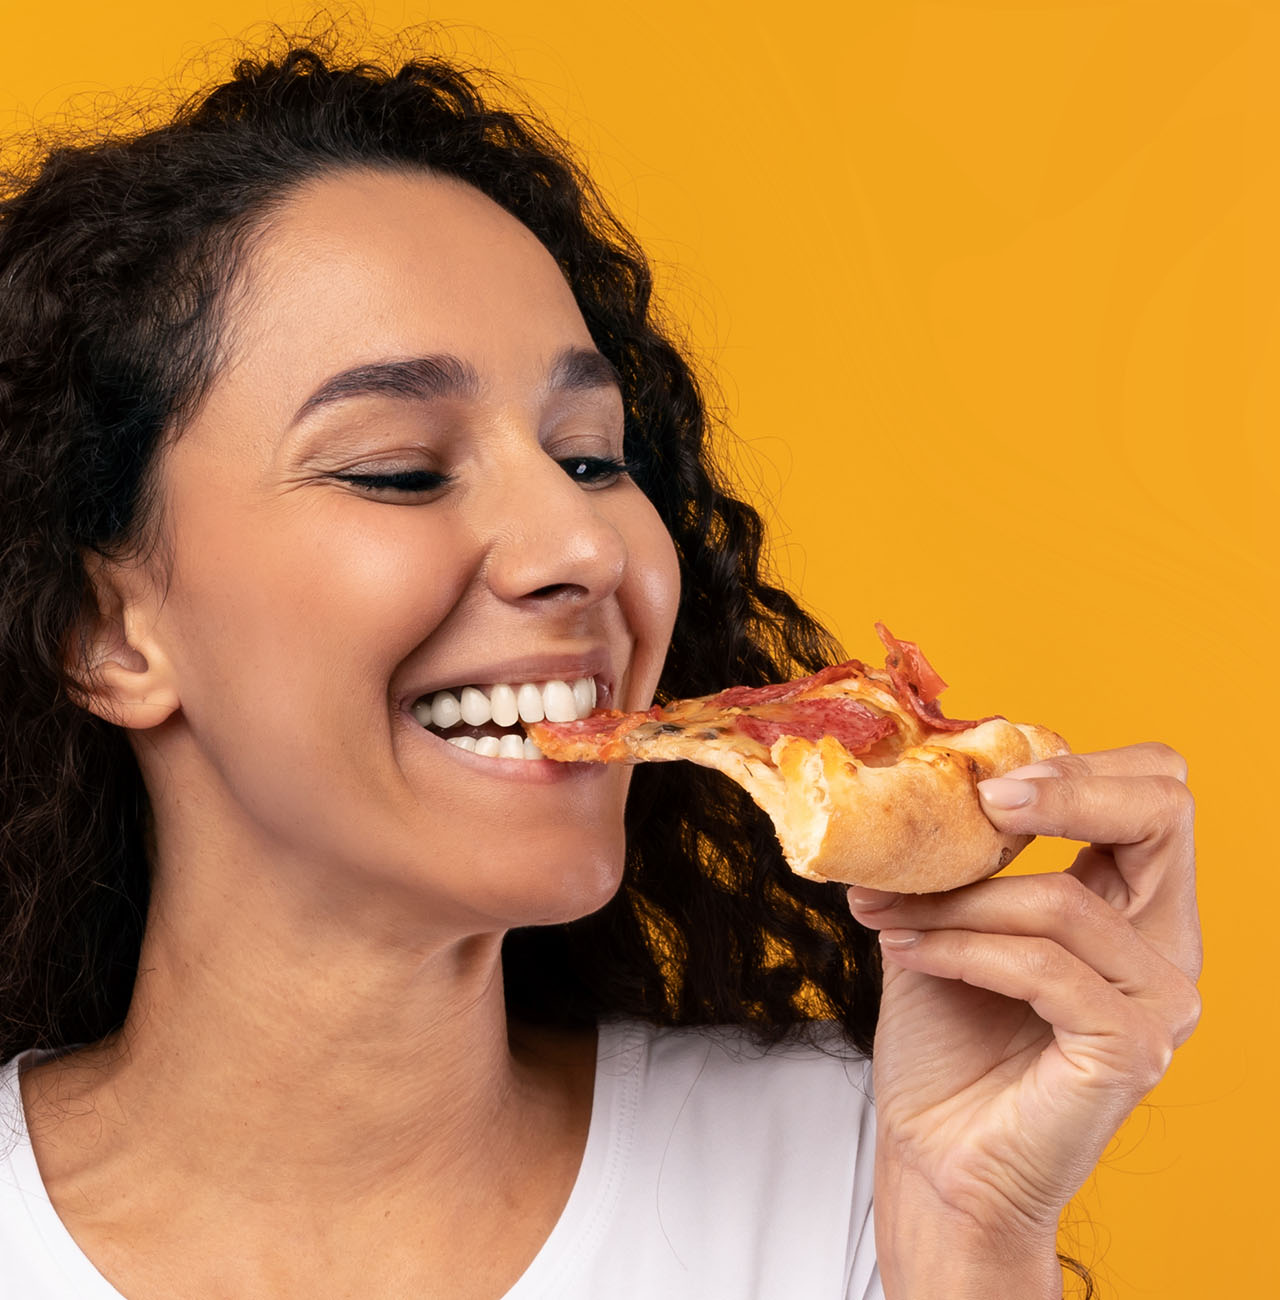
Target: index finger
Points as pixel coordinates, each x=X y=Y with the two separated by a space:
x=1150 y=758
x=1143 y=824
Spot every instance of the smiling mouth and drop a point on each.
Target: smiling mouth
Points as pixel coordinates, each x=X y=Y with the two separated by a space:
x=489 y=720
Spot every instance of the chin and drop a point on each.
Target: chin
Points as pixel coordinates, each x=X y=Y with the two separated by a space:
x=570 y=892
x=530 y=879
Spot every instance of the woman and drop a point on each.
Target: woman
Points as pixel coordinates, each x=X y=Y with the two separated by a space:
x=335 y=398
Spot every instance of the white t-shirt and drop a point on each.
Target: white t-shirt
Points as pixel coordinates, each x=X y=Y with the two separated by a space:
x=713 y=1170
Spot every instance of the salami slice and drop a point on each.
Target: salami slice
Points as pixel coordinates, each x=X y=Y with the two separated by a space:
x=595 y=739
x=850 y=722
x=749 y=697
x=917 y=684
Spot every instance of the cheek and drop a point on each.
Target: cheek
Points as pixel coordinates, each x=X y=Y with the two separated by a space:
x=663 y=584
x=652 y=591
x=282 y=614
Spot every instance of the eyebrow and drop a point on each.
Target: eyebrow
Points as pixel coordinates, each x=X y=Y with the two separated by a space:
x=444 y=376
x=418 y=379
x=578 y=369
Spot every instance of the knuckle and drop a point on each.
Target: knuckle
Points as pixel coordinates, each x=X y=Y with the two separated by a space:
x=1159 y=1057
x=1187 y=1014
x=1182 y=803
x=1152 y=1048
x=1067 y=764
x=1043 y=959
x=964 y=945
x=1059 y=904
x=1168 y=759
x=1066 y=896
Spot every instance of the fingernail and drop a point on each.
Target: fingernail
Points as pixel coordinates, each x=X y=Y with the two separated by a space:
x=899 y=938
x=871 y=900
x=1002 y=792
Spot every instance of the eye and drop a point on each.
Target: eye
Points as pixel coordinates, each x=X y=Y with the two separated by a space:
x=594 y=471
x=413 y=481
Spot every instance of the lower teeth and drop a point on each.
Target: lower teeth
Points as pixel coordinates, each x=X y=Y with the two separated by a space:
x=508 y=746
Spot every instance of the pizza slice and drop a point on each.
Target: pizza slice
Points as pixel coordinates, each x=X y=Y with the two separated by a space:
x=865 y=780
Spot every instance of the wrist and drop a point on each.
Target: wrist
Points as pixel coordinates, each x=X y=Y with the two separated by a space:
x=928 y=1249
x=942 y=1267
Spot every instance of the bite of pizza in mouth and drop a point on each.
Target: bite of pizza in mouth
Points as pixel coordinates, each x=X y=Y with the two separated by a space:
x=864 y=778
x=490 y=720
x=750 y=734
x=848 y=702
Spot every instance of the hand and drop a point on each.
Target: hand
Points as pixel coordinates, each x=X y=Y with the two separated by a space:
x=1024 y=1017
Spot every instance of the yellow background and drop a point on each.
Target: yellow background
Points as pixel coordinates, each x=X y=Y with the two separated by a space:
x=990 y=291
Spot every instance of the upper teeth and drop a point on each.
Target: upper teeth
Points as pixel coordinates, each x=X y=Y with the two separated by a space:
x=504 y=704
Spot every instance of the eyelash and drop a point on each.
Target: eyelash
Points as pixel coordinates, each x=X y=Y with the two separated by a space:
x=595 y=471
x=414 y=480
x=600 y=470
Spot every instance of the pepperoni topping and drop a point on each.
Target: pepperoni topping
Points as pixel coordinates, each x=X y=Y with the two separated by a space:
x=850 y=722
x=600 y=726
x=750 y=697
x=916 y=684
x=767 y=712
x=906 y=663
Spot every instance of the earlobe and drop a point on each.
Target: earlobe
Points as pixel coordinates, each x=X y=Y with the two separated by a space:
x=121 y=670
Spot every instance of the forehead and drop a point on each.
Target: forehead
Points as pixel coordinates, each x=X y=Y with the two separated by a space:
x=364 y=265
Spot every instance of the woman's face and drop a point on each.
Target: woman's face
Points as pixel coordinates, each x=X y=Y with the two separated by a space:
x=399 y=486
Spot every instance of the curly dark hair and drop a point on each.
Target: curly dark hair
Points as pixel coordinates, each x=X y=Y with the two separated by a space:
x=116 y=258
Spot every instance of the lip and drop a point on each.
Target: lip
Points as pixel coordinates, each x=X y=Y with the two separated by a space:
x=596 y=663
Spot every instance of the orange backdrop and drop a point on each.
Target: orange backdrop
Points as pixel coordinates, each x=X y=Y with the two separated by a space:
x=990 y=292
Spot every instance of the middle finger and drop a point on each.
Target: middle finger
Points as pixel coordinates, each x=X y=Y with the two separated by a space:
x=1056 y=907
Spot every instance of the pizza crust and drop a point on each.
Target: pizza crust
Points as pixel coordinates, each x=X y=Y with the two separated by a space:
x=914 y=825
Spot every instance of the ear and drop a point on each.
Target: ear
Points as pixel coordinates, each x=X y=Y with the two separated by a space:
x=122 y=671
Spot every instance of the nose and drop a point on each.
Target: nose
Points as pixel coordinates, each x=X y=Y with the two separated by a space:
x=552 y=541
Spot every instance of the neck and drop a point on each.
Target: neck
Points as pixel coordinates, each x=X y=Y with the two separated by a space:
x=341 y=1057
x=343 y=1074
